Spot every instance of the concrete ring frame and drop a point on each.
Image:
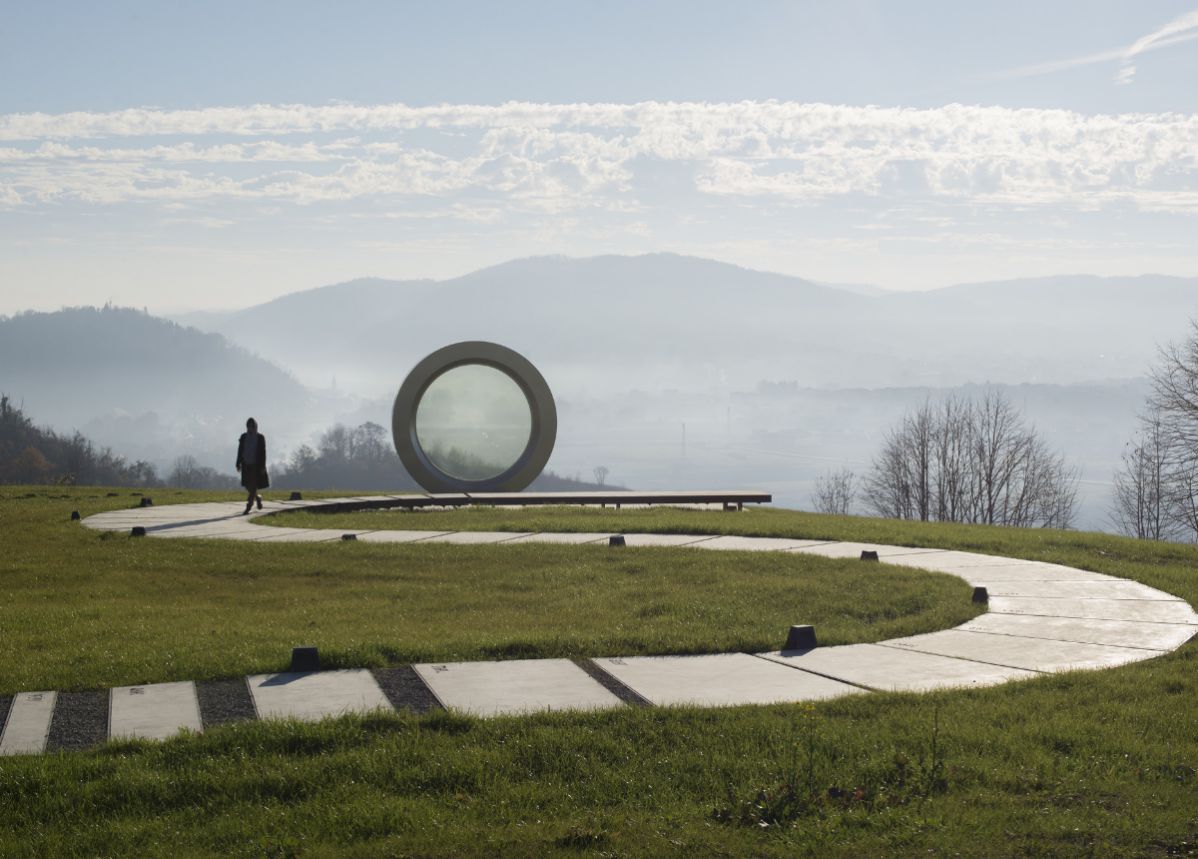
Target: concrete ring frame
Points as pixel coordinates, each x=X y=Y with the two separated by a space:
x=512 y=364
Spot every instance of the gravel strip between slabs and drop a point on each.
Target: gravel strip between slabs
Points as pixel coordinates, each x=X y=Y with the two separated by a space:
x=224 y=701
x=80 y=720
x=5 y=706
x=405 y=690
x=611 y=684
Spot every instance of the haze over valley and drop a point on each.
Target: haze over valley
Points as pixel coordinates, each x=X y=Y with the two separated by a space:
x=669 y=371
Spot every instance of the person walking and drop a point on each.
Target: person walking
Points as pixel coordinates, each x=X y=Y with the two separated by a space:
x=251 y=462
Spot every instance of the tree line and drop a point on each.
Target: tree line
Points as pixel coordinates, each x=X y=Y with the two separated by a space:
x=1156 y=485
x=32 y=454
x=960 y=460
x=965 y=460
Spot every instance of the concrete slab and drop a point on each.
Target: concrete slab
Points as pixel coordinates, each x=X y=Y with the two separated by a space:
x=308 y=535
x=28 y=724
x=721 y=680
x=153 y=712
x=1115 y=590
x=310 y=696
x=975 y=559
x=894 y=670
x=399 y=536
x=1120 y=633
x=1157 y=611
x=1012 y=571
x=569 y=539
x=265 y=532
x=253 y=533
x=474 y=538
x=515 y=686
x=1033 y=654
x=756 y=544
x=854 y=550
x=654 y=540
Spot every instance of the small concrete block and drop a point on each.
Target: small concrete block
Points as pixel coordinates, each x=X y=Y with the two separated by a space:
x=311 y=696
x=74 y=515
x=1033 y=654
x=28 y=723
x=153 y=712
x=346 y=538
x=1119 y=633
x=617 y=541
x=891 y=669
x=147 y=502
x=305 y=659
x=725 y=679
x=800 y=637
x=472 y=538
x=1158 y=611
x=296 y=496
x=137 y=531
x=515 y=686
x=980 y=594
x=869 y=555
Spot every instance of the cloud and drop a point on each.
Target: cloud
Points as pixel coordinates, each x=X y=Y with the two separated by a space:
x=1180 y=29
x=1184 y=28
x=625 y=158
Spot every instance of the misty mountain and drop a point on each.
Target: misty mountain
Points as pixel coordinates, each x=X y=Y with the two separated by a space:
x=148 y=387
x=664 y=321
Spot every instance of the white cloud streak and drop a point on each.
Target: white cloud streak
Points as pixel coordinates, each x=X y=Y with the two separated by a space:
x=570 y=157
x=1184 y=28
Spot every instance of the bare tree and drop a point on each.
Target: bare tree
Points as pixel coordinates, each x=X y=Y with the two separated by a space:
x=970 y=461
x=1173 y=439
x=1141 y=498
x=187 y=473
x=835 y=492
x=183 y=472
x=600 y=472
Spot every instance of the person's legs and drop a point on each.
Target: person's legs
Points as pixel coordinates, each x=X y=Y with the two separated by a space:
x=250 y=481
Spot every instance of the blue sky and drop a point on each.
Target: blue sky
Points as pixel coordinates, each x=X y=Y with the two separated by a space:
x=213 y=155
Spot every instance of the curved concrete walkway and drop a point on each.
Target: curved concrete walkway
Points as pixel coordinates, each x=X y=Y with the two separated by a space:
x=1042 y=618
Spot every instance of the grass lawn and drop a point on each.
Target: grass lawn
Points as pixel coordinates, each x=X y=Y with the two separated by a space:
x=96 y=609
x=1099 y=763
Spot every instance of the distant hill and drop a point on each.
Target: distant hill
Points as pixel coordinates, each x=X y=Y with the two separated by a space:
x=665 y=321
x=148 y=387
x=88 y=361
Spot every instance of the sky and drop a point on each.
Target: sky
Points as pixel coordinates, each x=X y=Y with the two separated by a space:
x=183 y=156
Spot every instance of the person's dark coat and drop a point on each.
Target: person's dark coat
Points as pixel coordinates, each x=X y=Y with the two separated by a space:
x=263 y=478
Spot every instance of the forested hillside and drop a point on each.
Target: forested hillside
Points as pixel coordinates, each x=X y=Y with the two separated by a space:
x=29 y=454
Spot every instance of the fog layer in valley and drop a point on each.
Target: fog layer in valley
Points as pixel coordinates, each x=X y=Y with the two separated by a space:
x=671 y=372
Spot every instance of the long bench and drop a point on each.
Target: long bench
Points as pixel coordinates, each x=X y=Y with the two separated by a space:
x=730 y=499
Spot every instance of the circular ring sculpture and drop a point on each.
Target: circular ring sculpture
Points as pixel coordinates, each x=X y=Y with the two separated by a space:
x=492 y=368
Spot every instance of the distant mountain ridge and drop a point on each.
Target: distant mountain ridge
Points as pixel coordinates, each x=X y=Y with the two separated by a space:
x=138 y=382
x=664 y=321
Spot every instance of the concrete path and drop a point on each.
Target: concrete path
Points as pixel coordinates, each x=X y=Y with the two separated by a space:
x=1042 y=618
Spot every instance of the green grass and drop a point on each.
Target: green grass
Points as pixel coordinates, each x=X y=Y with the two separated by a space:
x=105 y=609
x=1083 y=764
x=1168 y=566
